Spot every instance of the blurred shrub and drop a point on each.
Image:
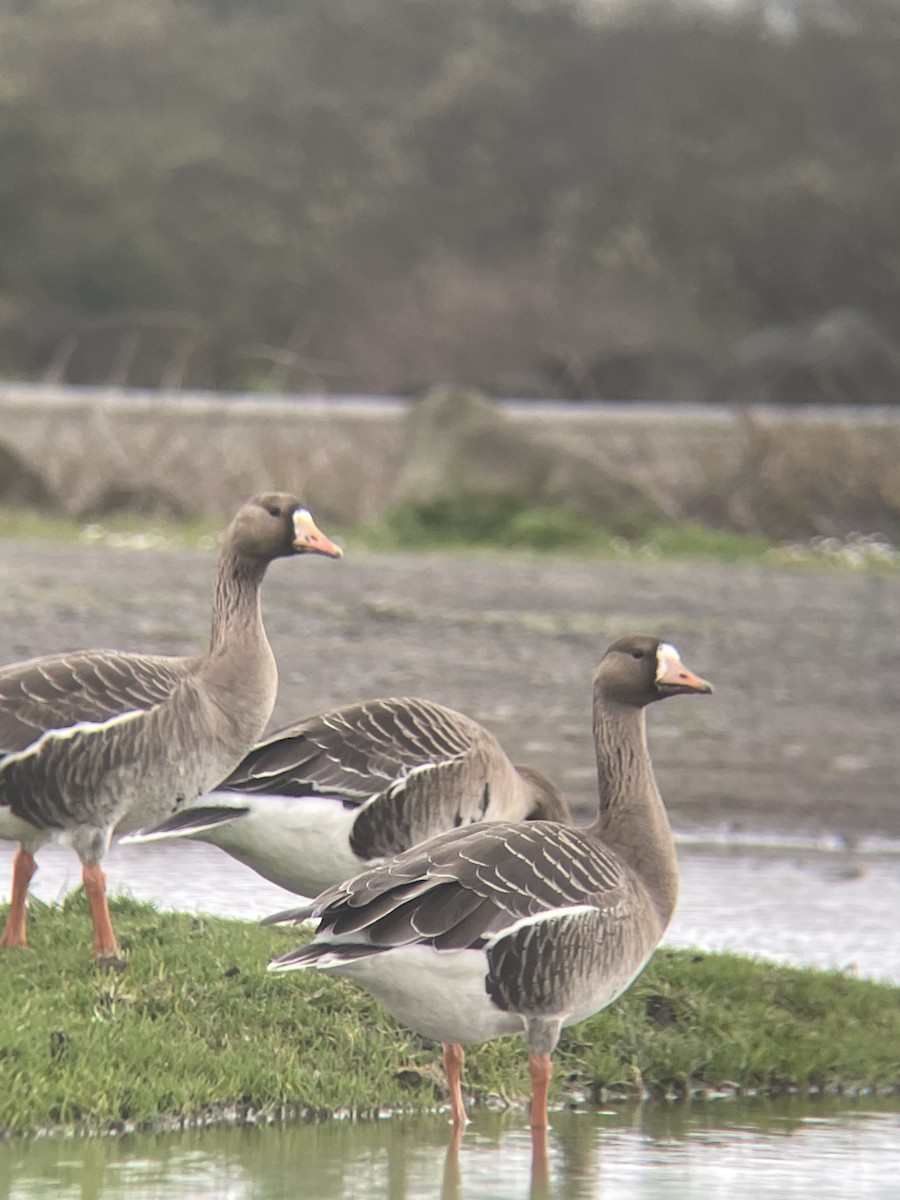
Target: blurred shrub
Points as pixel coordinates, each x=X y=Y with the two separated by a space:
x=508 y=522
x=469 y=518
x=545 y=528
x=490 y=519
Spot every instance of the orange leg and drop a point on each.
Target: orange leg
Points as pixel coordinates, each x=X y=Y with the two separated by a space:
x=95 y=886
x=539 y=1066
x=24 y=867
x=454 y=1057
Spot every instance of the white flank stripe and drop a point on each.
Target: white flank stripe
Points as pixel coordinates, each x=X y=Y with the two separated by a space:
x=550 y=914
x=71 y=731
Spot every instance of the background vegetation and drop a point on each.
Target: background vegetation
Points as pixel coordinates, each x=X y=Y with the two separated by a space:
x=517 y=195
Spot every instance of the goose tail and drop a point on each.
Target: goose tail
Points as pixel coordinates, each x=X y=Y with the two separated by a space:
x=323 y=955
x=189 y=822
x=292 y=916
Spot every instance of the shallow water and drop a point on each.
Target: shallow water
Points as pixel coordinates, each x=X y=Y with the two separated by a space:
x=804 y=903
x=739 y=1150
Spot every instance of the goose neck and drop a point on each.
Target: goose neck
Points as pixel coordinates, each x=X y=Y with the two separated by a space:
x=239 y=673
x=237 y=611
x=632 y=819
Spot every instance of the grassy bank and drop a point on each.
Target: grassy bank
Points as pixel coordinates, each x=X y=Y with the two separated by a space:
x=195 y=1027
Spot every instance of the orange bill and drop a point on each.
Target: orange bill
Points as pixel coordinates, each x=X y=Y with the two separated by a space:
x=674 y=676
x=309 y=539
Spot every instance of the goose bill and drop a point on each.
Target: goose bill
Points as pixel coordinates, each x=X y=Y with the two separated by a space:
x=309 y=539
x=674 y=676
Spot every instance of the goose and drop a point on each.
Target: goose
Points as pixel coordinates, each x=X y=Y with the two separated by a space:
x=94 y=742
x=324 y=798
x=495 y=929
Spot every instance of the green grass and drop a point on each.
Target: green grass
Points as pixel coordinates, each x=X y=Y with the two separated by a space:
x=195 y=1026
x=27 y=524
x=128 y=528
x=498 y=529
x=548 y=530
x=722 y=1020
x=489 y=525
x=697 y=543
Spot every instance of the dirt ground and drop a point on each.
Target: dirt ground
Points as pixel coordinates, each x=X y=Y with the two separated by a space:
x=801 y=734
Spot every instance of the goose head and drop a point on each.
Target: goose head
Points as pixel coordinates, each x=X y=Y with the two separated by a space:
x=637 y=670
x=547 y=800
x=276 y=525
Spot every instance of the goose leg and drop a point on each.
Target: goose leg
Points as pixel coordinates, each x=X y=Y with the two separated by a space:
x=104 y=939
x=454 y=1057
x=24 y=867
x=541 y=1036
x=539 y=1066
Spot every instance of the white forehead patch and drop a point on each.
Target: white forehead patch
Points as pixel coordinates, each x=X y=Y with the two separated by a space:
x=665 y=656
x=301 y=517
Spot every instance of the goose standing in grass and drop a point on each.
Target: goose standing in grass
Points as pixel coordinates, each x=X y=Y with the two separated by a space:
x=511 y=927
x=98 y=741
x=322 y=799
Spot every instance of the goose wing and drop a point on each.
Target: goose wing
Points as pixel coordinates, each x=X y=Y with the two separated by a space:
x=62 y=690
x=470 y=888
x=355 y=752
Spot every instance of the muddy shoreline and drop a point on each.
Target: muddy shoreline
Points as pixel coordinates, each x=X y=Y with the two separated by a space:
x=801 y=735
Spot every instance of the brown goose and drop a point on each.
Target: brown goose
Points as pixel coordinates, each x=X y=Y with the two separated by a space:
x=98 y=741
x=320 y=800
x=496 y=929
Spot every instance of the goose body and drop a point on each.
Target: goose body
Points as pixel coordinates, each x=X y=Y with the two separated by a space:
x=97 y=742
x=563 y=960
x=323 y=798
x=520 y=927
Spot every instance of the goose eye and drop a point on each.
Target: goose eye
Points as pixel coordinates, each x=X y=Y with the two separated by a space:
x=273 y=510
x=637 y=654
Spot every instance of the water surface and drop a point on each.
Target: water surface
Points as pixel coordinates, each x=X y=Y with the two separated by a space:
x=738 y=1150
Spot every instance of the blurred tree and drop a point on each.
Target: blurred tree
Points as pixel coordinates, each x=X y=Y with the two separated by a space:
x=283 y=173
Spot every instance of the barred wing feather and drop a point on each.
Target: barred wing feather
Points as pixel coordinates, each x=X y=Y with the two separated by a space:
x=469 y=885
x=62 y=690
x=356 y=751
